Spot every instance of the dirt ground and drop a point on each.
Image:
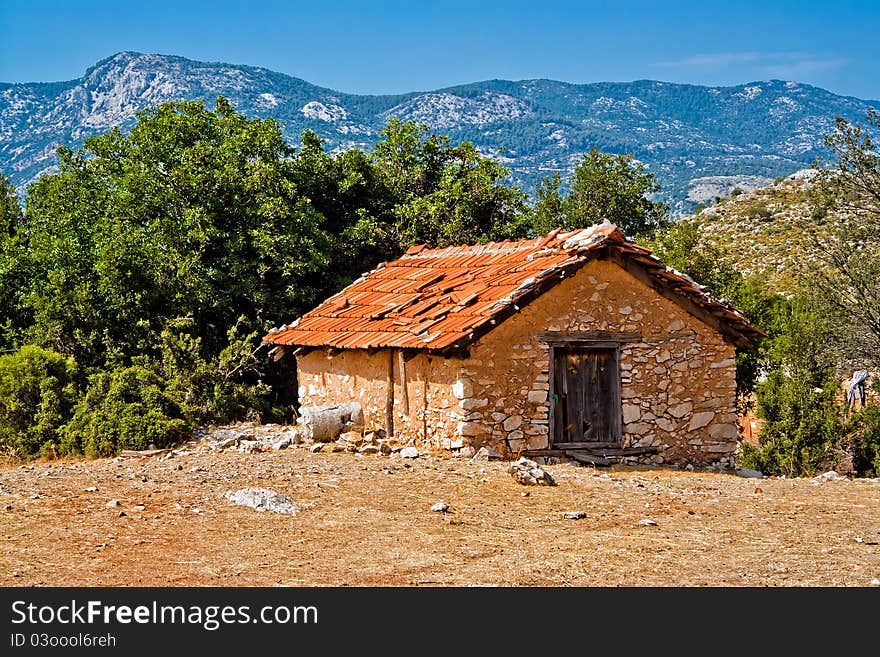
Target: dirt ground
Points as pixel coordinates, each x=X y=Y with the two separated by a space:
x=366 y=520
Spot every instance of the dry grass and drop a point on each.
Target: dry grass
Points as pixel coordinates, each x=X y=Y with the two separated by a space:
x=366 y=521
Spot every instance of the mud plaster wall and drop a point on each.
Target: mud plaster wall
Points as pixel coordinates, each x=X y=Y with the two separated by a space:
x=677 y=385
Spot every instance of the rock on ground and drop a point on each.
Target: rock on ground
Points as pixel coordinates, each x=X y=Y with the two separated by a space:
x=409 y=453
x=831 y=475
x=527 y=473
x=749 y=473
x=262 y=499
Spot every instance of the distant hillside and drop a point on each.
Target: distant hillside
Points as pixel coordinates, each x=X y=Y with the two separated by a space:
x=700 y=142
x=767 y=231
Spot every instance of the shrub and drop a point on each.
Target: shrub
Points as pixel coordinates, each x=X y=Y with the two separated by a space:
x=802 y=428
x=863 y=441
x=127 y=408
x=759 y=212
x=37 y=393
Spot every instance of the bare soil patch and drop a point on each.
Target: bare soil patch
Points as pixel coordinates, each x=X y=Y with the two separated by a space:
x=366 y=520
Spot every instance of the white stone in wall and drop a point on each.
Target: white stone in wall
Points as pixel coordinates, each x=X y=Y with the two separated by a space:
x=727 y=362
x=625 y=310
x=724 y=431
x=638 y=429
x=700 y=420
x=537 y=430
x=663 y=356
x=537 y=442
x=631 y=413
x=537 y=396
x=473 y=429
x=720 y=449
x=665 y=424
x=470 y=404
x=513 y=422
x=462 y=388
x=680 y=410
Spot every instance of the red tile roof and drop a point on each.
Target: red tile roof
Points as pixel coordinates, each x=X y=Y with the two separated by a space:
x=437 y=299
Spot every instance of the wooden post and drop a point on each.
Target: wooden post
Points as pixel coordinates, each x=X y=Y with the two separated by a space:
x=404 y=395
x=389 y=397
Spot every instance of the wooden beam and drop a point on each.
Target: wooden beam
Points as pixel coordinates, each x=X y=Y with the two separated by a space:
x=389 y=396
x=589 y=459
x=624 y=451
x=586 y=445
x=404 y=395
x=279 y=352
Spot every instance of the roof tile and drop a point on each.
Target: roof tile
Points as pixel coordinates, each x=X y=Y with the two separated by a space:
x=436 y=298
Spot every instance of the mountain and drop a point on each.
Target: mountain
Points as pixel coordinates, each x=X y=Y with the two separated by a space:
x=700 y=142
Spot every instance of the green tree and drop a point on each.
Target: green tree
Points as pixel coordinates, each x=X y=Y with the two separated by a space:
x=194 y=213
x=803 y=422
x=848 y=248
x=37 y=393
x=442 y=194
x=13 y=265
x=603 y=187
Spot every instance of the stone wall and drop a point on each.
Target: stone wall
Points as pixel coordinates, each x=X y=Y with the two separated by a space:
x=677 y=384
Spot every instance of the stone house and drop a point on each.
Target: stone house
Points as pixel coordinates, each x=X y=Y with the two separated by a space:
x=576 y=343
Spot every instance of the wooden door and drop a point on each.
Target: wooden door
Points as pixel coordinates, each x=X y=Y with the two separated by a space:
x=586 y=387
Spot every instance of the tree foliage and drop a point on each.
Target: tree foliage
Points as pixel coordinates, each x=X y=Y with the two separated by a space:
x=37 y=392
x=849 y=252
x=603 y=187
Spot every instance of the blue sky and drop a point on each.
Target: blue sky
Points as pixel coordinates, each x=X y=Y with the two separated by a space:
x=391 y=46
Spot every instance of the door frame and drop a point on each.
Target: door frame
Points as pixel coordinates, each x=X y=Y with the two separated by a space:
x=565 y=340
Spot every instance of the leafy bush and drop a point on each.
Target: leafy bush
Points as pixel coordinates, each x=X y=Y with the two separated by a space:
x=863 y=441
x=37 y=393
x=128 y=408
x=802 y=427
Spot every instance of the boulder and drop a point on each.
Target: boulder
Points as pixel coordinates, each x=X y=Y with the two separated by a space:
x=409 y=453
x=262 y=499
x=326 y=423
x=526 y=472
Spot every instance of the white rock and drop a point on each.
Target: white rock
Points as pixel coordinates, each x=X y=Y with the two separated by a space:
x=111 y=504
x=831 y=475
x=752 y=474
x=486 y=454
x=527 y=472
x=440 y=507
x=282 y=443
x=317 y=447
x=262 y=499
x=647 y=522
x=409 y=453
x=574 y=515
